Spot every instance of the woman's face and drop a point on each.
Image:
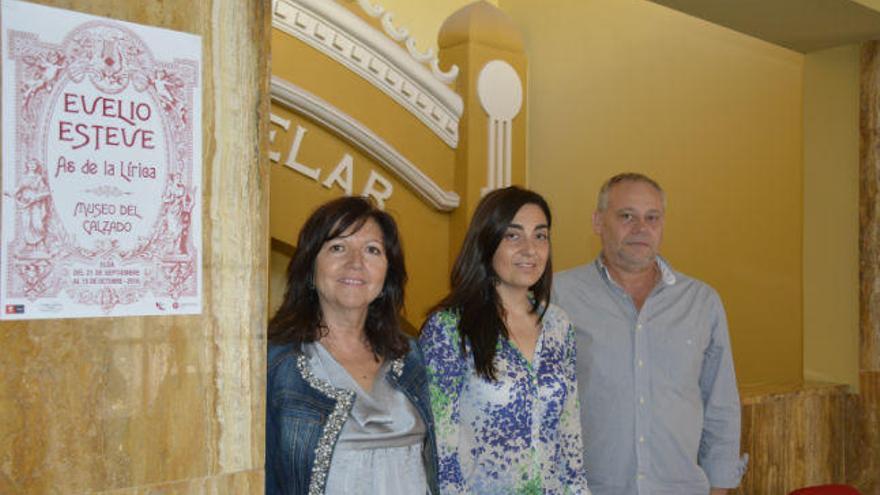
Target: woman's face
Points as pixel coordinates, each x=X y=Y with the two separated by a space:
x=522 y=254
x=350 y=269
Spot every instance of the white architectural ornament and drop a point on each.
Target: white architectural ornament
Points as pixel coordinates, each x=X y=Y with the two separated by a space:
x=501 y=94
x=397 y=34
x=401 y=34
x=421 y=57
x=398 y=72
x=370 y=9
x=334 y=120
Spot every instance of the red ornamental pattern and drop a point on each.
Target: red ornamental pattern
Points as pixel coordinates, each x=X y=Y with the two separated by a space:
x=80 y=233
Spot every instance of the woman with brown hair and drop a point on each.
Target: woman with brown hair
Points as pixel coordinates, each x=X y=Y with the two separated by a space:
x=501 y=360
x=347 y=406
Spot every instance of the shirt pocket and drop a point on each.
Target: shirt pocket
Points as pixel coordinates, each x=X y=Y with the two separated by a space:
x=679 y=354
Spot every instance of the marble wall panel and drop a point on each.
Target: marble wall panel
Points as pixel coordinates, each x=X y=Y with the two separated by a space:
x=869 y=208
x=240 y=483
x=863 y=453
x=163 y=404
x=863 y=434
x=794 y=439
x=88 y=406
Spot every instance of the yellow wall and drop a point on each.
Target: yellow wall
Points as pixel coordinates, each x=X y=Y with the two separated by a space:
x=831 y=215
x=871 y=4
x=756 y=145
x=715 y=116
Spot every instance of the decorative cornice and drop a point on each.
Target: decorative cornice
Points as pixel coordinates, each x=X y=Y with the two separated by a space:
x=367 y=141
x=348 y=39
x=402 y=35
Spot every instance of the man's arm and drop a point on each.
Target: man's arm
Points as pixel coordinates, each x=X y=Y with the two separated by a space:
x=719 y=444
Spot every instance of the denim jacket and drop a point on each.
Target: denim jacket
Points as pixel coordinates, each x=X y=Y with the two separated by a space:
x=305 y=415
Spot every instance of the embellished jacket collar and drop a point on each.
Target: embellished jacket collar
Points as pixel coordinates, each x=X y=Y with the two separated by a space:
x=290 y=375
x=344 y=400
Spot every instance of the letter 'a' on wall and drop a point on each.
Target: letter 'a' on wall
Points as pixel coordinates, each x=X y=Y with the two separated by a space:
x=101 y=211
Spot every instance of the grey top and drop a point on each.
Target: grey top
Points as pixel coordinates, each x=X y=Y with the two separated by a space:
x=380 y=447
x=659 y=404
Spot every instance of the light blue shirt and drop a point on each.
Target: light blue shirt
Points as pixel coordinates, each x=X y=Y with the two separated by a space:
x=659 y=405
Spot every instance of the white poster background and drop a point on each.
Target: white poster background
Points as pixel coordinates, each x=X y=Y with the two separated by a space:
x=101 y=175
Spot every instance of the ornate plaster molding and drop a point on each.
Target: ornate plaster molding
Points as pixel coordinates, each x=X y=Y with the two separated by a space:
x=335 y=120
x=343 y=36
x=402 y=35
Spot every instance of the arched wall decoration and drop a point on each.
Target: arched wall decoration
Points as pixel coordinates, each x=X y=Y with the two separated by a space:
x=343 y=36
x=313 y=107
x=402 y=35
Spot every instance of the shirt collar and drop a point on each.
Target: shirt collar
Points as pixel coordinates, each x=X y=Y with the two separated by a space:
x=667 y=275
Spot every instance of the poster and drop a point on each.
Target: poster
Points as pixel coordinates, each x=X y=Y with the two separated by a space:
x=101 y=180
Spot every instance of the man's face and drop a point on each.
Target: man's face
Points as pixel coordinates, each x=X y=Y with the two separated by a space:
x=631 y=226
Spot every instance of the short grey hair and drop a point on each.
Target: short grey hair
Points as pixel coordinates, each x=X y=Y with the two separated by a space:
x=602 y=202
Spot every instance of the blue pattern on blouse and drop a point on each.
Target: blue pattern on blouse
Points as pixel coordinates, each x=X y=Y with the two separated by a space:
x=520 y=434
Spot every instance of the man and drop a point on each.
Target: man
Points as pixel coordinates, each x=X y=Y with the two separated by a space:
x=659 y=404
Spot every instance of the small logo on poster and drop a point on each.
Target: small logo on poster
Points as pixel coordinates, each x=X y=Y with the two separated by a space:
x=15 y=309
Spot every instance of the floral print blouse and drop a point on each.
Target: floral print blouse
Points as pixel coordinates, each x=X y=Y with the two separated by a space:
x=520 y=434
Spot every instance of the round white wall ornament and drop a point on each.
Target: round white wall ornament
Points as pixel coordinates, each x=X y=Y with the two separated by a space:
x=501 y=95
x=500 y=90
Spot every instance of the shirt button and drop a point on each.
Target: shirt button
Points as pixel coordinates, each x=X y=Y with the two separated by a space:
x=638 y=327
x=640 y=476
x=641 y=439
x=641 y=400
x=641 y=363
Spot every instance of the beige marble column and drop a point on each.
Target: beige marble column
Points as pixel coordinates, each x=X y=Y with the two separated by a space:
x=863 y=453
x=163 y=404
x=795 y=438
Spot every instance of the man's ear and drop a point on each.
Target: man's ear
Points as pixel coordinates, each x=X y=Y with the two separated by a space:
x=597 y=222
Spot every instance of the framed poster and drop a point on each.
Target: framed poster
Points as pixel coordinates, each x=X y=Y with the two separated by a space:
x=101 y=209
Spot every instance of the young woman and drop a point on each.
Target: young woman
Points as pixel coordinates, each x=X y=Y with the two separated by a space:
x=501 y=360
x=347 y=402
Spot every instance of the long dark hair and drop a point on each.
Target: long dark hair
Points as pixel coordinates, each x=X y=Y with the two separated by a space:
x=299 y=319
x=473 y=279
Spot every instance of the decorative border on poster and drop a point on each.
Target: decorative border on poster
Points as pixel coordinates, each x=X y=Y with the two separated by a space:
x=89 y=268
